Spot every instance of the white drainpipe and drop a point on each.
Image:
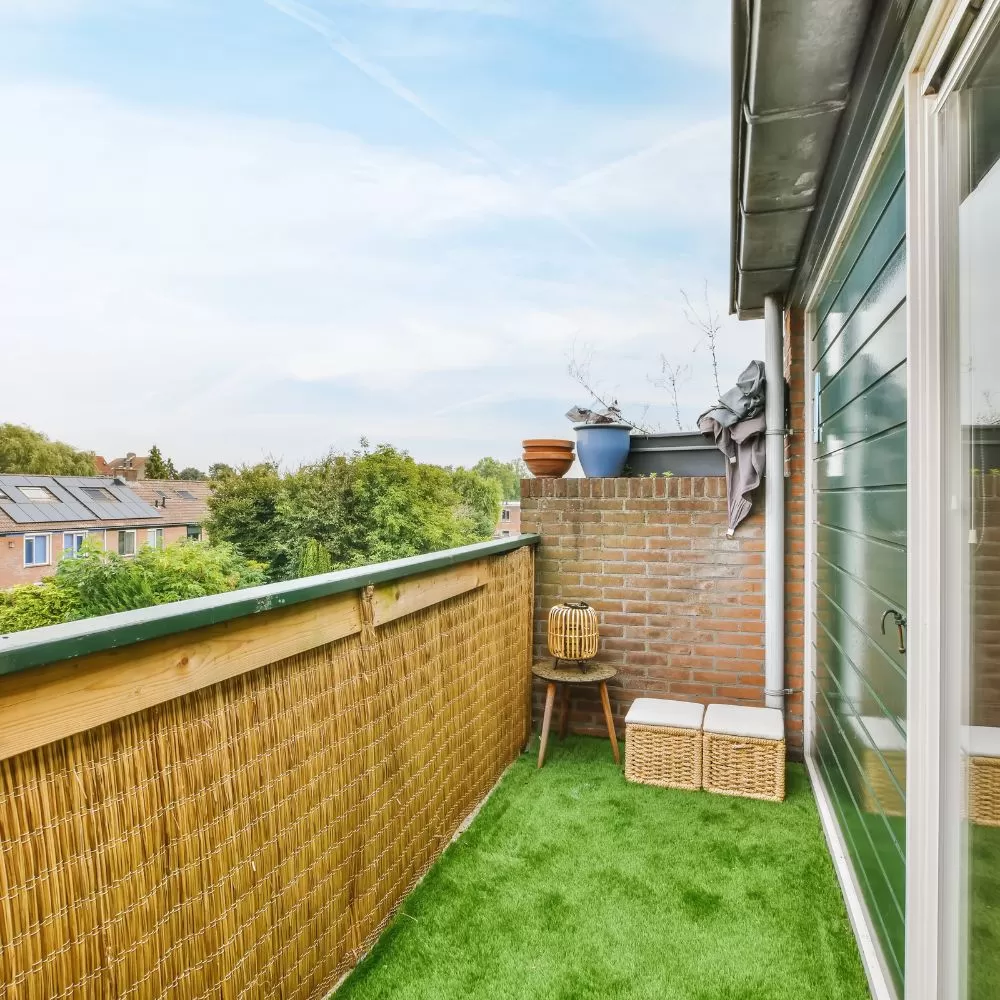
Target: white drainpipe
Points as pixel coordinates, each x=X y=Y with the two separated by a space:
x=774 y=509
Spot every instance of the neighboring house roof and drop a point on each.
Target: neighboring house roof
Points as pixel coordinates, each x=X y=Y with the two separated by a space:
x=180 y=501
x=64 y=503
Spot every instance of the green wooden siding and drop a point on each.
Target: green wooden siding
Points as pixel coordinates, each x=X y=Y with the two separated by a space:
x=860 y=479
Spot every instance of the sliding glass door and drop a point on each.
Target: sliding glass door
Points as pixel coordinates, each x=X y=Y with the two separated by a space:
x=970 y=153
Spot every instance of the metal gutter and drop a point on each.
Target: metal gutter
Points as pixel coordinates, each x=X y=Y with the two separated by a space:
x=35 y=647
x=793 y=64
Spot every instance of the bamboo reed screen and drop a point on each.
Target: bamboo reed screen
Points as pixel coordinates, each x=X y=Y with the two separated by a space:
x=252 y=839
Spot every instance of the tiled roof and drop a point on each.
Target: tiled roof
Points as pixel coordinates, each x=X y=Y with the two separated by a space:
x=175 y=507
x=178 y=509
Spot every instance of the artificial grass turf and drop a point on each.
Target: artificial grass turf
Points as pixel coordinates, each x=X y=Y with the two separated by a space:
x=573 y=884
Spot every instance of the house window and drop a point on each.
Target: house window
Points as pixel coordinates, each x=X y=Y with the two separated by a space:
x=126 y=543
x=39 y=494
x=98 y=493
x=194 y=532
x=505 y=534
x=186 y=495
x=72 y=543
x=36 y=550
x=505 y=514
x=154 y=538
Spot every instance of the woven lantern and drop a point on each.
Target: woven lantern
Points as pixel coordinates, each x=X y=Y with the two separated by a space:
x=573 y=631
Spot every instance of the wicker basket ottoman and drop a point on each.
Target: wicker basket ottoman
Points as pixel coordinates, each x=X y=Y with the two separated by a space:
x=883 y=760
x=982 y=745
x=744 y=752
x=663 y=743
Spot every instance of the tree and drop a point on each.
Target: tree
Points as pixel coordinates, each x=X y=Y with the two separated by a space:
x=157 y=467
x=191 y=473
x=218 y=470
x=709 y=326
x=481 y=497
x=34 y=605
x=507 y=474
x=368 y=506
x=101 y=583
x=28 y=452
x=313 y=559
x=243 y=511
x=372 y=506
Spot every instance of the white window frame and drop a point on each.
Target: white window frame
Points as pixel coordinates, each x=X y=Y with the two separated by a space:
x=48 y=549
x=70 y=553
x=880 y=979
x=125 y=532
x=154 y=538
x=936 y=906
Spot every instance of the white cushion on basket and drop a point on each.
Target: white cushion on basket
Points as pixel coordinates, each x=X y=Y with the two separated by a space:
x=981 y=741
x=661 y=712
x=879 y=732
x=743 y=720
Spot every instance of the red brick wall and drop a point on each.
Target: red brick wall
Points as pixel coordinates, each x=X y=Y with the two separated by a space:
x=681 y=605
x=985 y=624
x=13 y=572
x=795 y=521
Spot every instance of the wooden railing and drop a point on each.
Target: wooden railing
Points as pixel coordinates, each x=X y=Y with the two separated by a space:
x=229 y=797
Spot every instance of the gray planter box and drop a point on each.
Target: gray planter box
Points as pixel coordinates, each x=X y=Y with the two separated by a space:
x=682 y=454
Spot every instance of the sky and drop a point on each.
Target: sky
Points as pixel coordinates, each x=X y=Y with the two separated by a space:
x=243 y=229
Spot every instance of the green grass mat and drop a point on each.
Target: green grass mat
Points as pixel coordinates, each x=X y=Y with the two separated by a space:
x=573 y=884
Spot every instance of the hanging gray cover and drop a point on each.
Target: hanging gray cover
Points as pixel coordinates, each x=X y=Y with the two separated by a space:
x=744 y=400
x=738 y=426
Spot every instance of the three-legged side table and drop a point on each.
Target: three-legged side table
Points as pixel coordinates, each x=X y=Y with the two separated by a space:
x=568 y=676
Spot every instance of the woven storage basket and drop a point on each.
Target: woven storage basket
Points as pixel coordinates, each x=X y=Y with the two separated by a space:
x=744 y=765
x=984 y=791
x=663 y=755
x=878 y=793
x=573 y=632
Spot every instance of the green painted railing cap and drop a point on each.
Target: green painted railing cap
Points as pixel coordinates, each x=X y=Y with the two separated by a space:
x=38 y=646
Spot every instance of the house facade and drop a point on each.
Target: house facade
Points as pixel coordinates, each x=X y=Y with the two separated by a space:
x=509 y=523
x=866 y=232
x=46 y=518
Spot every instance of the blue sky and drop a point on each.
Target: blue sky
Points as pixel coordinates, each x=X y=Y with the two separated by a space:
x=267 y=227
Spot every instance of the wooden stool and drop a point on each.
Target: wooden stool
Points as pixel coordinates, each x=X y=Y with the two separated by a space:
x=596 y=673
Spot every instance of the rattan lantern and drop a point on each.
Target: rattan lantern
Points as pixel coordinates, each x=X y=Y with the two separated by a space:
x=573 y=631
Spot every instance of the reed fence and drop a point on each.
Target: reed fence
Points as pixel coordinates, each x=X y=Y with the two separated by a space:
x=252 y=834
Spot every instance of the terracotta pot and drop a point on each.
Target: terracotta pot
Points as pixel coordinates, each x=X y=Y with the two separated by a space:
x=548 y=456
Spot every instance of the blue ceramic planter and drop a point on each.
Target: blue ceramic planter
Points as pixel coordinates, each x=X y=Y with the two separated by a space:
x=602 y=449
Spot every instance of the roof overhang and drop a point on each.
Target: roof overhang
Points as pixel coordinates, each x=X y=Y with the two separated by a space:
x=793 y=62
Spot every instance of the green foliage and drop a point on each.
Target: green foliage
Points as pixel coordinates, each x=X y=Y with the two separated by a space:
x=34 y=605
x=507 y=474
x=481 y=501
x=157 y=467
x=369 y=506
x=219 y=470
x=191 y=473
x=29 y=452
x=101 y=583
x=314 y=559
x=243 y=511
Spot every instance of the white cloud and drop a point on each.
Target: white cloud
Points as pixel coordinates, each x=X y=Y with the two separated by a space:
x=162 y=272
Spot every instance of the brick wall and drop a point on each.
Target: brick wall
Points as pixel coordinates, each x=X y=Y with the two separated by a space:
x=681 y=605
x=985 y=624
x=795 y=521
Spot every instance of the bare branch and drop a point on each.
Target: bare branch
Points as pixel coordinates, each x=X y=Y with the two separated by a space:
x=580 y=372
x=709 y=326
x=671 y=377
